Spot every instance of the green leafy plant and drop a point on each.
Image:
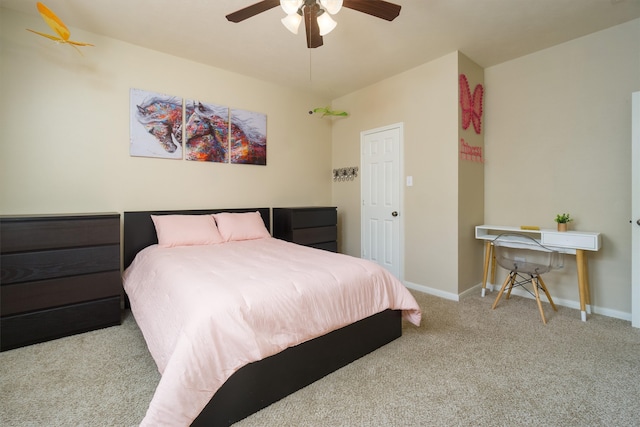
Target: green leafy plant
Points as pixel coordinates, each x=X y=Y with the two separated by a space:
x=563 y=218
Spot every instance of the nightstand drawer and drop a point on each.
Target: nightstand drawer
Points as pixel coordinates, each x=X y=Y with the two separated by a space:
x=327 y=246
x=306 y=236
x=308 y=218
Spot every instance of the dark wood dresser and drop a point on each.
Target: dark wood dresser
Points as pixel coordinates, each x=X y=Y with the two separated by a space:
x=310 y=226
x=60 y=276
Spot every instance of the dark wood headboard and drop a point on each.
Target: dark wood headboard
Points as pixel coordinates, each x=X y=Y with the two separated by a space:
x=139 y=231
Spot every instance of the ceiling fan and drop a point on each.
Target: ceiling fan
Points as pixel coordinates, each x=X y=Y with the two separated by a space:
x=316 y=14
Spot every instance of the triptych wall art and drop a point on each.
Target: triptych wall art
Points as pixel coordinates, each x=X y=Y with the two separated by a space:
x=169 y=127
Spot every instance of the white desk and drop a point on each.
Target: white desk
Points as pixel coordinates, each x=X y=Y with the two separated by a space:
x=569 y=242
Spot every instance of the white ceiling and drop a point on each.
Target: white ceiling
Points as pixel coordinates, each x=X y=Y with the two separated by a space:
x=360 y=51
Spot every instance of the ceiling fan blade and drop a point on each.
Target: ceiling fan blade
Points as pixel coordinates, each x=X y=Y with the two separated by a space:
x=254 y=9
x=379 y=8
x=314 y=39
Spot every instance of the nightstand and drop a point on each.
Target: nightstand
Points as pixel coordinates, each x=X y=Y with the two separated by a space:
x=309 y=226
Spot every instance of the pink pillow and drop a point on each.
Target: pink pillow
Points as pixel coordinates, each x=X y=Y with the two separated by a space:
x=241 y=226
x=186 y=230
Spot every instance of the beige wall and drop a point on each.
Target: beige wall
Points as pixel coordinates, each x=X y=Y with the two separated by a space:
x=558 y=139
x=470 y=187
x=65 y=131
x=425 y=100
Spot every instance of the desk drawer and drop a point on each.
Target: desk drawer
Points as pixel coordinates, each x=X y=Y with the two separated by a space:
x=572 y=240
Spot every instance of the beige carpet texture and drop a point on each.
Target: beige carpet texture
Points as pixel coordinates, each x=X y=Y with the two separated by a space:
x=466 y=365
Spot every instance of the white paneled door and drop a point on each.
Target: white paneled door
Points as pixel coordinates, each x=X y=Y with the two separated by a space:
x=635 y=210
x=381 y=191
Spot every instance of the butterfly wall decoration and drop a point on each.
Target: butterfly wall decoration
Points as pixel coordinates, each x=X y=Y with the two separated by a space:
x=471 y=105
x=58 y=27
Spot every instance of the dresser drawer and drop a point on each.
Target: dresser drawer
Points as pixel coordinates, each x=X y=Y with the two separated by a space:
x=45 y=325
x=31 y=296
x=37 y=233
x=41 y=265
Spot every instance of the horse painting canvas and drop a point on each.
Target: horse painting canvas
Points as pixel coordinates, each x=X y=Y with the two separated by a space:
x=206 y=132
x=156 y=125
x=248 y=137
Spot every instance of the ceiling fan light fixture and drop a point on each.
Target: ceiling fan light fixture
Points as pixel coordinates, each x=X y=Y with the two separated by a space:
x=332 y=6
x=291 y=6
x=292 y=22
x=326 y=24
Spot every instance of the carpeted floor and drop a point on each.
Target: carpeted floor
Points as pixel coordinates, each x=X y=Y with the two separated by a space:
x=465 y=366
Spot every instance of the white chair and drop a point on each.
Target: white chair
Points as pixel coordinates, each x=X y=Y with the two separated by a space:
x=526 y=260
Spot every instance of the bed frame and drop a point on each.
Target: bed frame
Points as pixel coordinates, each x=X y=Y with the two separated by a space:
x=259 y=384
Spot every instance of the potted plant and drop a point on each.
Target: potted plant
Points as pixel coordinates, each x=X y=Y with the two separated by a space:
x=563 y=221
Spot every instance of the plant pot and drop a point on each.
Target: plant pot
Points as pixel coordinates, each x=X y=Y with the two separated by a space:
x=563 y=226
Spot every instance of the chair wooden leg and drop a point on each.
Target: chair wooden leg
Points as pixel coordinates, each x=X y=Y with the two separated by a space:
x=504 y=285
x=537 y=294
x=544 y=288
x=493 y=265
x=514 y=276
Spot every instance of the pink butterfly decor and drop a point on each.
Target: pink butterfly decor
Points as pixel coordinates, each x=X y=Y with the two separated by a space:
x=471 y=106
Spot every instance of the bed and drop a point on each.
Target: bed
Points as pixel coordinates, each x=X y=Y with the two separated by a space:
x=251 y=386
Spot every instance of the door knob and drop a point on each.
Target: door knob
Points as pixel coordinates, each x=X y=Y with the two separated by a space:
x=638 y=221
x=395 y=213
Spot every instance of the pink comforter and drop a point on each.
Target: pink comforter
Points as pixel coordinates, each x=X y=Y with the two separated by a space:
x=206 y=311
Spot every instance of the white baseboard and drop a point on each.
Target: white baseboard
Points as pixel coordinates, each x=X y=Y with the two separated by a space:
x=431 y=291
x=491 y=289
x=560 y=301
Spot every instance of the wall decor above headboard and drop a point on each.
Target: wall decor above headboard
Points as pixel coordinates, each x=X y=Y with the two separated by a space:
x=206 y=132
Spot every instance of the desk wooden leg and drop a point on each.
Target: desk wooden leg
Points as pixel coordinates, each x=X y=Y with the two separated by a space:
x=583 y=282
x=488 y=248
x=587 y=288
